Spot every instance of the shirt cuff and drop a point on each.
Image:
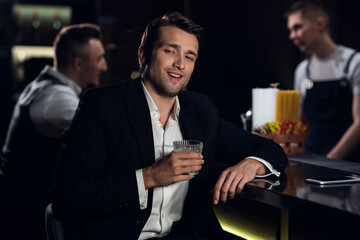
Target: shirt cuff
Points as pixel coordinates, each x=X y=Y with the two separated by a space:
x=143 y=194
x=268 y=165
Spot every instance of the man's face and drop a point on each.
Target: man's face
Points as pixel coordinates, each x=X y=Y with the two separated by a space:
x=172 y=62
x=94 y=64
x=303 y=31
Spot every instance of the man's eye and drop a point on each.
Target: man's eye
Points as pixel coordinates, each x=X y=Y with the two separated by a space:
x=169 y=51
x=190 y=58
x=297 y=27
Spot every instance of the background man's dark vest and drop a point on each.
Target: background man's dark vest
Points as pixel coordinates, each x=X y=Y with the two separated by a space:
x=30 y=156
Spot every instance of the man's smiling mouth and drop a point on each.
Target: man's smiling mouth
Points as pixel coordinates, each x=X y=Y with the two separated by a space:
x=174 y=75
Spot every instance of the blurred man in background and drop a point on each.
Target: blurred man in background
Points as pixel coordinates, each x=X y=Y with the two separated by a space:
x=329 y=81
x=43 y=111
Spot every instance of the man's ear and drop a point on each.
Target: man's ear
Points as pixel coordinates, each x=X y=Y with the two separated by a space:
x=321 y=23
x=77 y=64
x=141 y=55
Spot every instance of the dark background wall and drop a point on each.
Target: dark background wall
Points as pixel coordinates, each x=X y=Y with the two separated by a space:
x=246 y=44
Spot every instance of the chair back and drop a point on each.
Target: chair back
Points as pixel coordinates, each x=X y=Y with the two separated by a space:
x=54 y=229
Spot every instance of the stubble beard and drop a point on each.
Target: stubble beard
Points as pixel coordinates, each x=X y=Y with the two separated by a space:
x=160 y=85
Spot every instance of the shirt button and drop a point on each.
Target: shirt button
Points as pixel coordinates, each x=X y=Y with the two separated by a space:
x=163 y=215
x=155 y=114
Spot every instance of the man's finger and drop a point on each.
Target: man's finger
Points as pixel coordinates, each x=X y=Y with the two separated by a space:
x=234 y=186
x=183 y=177
x=224 y=192
x=189 y=169
x=186 y=155
x=218 y=185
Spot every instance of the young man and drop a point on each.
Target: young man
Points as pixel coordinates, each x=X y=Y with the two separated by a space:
x=118 y=177
x=44 y=109
x=329 y=80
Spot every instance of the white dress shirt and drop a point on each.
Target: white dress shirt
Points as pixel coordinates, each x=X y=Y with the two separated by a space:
x=168 y=202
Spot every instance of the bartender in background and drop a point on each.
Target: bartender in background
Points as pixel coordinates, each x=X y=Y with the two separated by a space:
x=329 y=81
x=43 y=111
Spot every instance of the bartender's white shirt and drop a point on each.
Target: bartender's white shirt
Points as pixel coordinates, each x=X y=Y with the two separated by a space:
x=168 y=202
x=330 y=68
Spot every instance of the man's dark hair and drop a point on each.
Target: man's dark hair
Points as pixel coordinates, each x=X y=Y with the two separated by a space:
x=310 y=10
x=70 y=43
x=151 y=33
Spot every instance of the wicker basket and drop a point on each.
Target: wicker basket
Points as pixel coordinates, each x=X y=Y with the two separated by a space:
x=291 y=143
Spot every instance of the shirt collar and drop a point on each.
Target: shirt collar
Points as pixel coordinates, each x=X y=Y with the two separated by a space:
x=62 y=78
x=154 y=111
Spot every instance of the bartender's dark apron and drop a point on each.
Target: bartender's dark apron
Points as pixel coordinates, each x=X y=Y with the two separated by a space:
x=328 y=110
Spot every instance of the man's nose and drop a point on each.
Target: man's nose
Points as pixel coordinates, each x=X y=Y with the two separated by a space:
x=104 y=66
x=180 y=63
x=291 y=35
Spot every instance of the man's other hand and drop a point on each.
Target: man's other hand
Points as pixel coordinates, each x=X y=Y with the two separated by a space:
x=233 y=179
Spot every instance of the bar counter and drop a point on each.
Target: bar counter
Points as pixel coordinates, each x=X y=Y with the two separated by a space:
x=290 y=208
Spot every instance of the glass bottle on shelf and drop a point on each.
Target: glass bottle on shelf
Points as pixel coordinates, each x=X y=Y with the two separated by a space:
x=35 y=26
x=18 y=30
x=56 y=24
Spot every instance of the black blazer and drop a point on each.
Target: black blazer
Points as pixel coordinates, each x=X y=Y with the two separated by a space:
x=96 y=193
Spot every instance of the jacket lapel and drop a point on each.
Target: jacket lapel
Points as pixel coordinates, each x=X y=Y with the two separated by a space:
x=189 y=124
x=139 y=115
x=191 y=129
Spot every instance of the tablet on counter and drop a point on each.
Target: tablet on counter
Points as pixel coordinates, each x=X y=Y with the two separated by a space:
x=333 y=180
